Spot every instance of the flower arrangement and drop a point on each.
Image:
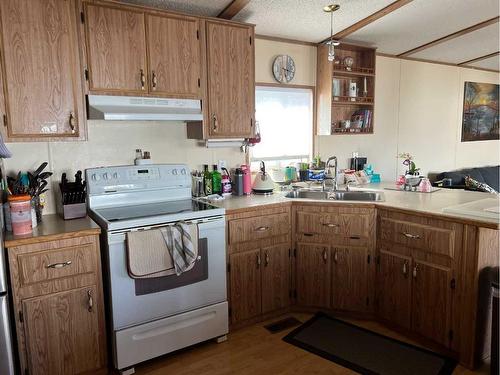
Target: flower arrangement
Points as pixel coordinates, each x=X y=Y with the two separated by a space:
x=408 y=162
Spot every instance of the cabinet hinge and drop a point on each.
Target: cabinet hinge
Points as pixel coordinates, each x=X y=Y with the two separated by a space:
x=198 y=34
x=199 y=82
x=251 y=122
x=369 y=258
x=21 y=317
x=453 y=284
x=295 y=253
x=5 y=120
x=289 y=253
x=250 y=40
x=450 y=334
x=228 y=267
x=86 y=74
x=82 y=17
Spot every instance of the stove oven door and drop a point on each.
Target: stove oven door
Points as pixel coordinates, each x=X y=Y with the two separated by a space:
x=136 y=301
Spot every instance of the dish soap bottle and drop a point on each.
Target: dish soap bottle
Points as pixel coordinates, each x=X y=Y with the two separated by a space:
x=207 y=180
x=216 y=181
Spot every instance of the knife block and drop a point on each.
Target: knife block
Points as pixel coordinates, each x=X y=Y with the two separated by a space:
x=74 y=211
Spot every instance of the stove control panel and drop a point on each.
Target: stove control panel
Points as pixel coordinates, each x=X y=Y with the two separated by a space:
x=137 y=177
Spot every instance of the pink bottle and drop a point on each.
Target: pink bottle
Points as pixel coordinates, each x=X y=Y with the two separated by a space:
x=247 y=181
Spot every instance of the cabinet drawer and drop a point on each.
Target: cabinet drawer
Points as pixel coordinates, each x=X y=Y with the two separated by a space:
x=259 y=227
x=333 y=223
x=54 y=264
x=420 y=236
x=333 y=240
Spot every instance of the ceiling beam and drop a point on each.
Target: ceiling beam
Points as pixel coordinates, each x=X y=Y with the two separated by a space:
x=368 y=20
x=479 y=58
x=451 y=36
x=233 y=8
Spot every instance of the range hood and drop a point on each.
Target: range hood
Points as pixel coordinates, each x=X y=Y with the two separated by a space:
x=131 y=108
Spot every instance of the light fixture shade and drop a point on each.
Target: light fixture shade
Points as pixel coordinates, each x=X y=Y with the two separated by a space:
x=332 y=42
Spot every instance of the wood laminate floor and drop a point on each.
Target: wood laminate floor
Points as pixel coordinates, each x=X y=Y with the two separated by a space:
x=254 y=351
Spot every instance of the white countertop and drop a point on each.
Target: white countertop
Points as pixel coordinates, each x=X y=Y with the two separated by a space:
x=441 y=202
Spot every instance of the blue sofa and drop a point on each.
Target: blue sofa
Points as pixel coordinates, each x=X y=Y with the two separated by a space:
x=488 y=175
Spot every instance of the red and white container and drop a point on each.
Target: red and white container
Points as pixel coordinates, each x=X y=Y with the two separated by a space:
x=20 y=214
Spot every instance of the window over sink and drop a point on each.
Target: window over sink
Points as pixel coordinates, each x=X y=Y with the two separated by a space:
x=285 y=121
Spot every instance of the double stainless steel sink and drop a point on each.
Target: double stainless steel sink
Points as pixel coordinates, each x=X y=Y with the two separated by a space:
x=363 y=196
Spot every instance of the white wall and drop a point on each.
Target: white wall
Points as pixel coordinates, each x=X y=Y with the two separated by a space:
x=418 y=109
x=114 y=143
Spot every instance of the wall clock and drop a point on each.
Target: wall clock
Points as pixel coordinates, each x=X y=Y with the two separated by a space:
x=283 y=68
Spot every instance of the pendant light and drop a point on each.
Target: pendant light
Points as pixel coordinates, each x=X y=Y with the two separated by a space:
x=332 y=43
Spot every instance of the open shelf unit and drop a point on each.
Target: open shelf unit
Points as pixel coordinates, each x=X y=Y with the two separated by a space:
x=345 y=94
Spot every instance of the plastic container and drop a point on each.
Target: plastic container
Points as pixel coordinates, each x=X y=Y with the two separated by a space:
x=247 y=180
x=20 y=214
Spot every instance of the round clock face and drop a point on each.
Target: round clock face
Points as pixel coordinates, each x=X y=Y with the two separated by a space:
x=283 y=68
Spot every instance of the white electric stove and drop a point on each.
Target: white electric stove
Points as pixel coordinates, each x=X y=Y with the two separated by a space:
x=152 y=317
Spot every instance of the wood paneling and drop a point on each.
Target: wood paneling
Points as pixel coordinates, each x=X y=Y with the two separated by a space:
x=233 y=8
x=350 y=270
x=62 y=332
x=258 y=228
x=41 y=70
x=275 y=277
x=394 y=288
x=231 y=80
x=116 y=49
x=313 y=278
x=174 y=56
x=333 y=223
x=245 y=281
x=431 y=301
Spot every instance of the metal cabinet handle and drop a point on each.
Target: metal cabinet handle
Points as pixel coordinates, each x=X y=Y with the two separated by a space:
x=325 y=256
x=261 y=229
x=331 y=225
x=143 y=80
x=335 y=256
x=415 y=269
x=258 y=261
x=154 y=80
x=411 y=236
x=58 y=265
x=215 y=123
x=405 y=268
x=90 y=301
x=266 y=259
x=72 y=122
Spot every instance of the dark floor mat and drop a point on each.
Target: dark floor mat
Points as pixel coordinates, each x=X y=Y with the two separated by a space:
x=365 y=351
x=282 y=324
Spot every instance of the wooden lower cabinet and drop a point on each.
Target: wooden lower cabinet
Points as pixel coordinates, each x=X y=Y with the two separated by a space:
x=431 y=301
x=394 y=288
x=350 y=270
x=245 y=281
x=62 y=332
x=59 y=309
x=313 y=280
x=275 y=277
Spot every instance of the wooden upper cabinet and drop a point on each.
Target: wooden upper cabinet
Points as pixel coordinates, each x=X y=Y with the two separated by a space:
x=116 y=49
x=174 y=51
x=231 y=81
x=41 y=70
x=62 y=332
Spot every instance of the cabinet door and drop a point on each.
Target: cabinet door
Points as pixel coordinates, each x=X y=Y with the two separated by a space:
x=313 y=275
x=431 y=301
x=394 y=288
x=350 y=274
x=174 y=56
x=275 y=277
x=62 y=332
x=42 y=71
x=245 y=285
x=231 y=86
x=116 y=49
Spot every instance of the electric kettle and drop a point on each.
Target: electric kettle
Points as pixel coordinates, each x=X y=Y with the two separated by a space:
x=263 y=183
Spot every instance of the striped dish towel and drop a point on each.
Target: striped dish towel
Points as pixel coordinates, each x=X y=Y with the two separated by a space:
x=182 y=243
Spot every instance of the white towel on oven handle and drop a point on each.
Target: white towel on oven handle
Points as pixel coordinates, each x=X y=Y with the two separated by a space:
x=182 y=243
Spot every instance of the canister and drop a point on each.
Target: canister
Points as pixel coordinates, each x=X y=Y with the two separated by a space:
x=247 y=180
x=20 y=214
x=238 y=182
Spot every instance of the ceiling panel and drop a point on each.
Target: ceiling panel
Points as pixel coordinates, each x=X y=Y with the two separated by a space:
x=204 y=7
x=305 y=20
x=492 y=63
x=423 y=21
x=466 y=47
